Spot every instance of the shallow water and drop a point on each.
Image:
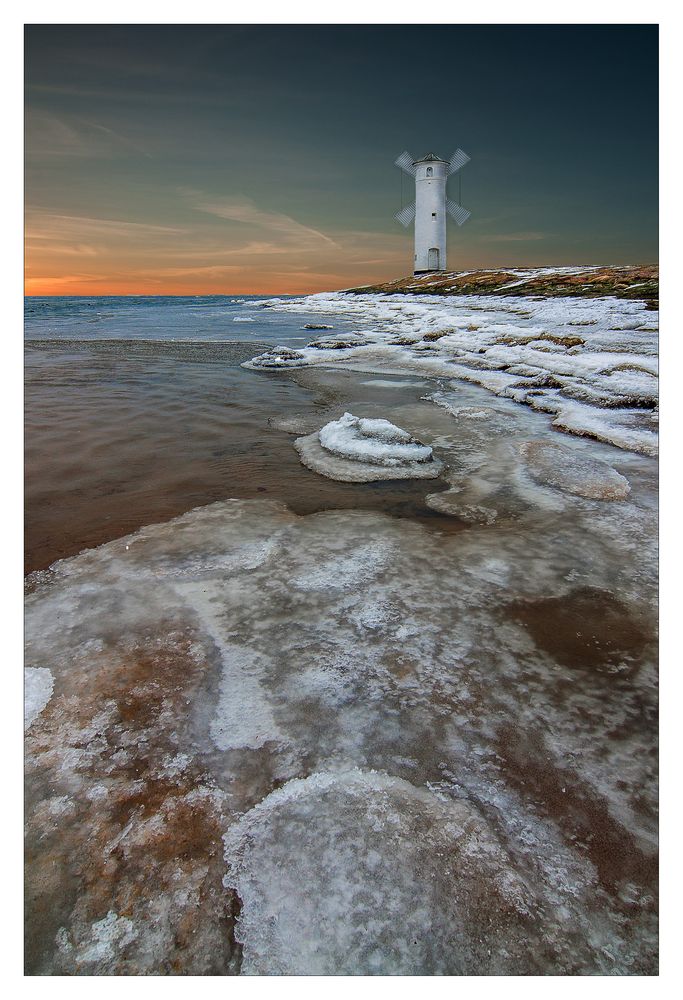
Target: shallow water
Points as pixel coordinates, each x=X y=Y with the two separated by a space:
x=294 y=733
x=113 y=444
x=124 y=432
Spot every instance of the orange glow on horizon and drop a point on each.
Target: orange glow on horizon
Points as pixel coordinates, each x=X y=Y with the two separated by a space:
x=256 y=286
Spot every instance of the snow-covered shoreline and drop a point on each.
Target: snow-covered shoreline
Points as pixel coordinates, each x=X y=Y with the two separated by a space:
x=625 y=281
x=590 y=363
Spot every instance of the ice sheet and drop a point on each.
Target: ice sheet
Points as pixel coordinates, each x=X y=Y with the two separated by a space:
x=403 y=736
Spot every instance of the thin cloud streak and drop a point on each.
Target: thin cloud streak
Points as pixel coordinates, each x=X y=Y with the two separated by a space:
x=54 y=226
x=515 y=237
x=243 y=210
x=50 y=135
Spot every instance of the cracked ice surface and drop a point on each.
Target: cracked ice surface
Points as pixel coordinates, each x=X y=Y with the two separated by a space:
x=403 y=750
x=590 y=363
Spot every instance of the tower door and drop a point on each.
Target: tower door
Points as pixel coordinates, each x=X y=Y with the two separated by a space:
x=433 y=259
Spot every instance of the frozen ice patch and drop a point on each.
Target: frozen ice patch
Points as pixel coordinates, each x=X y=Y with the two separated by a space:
x=386 y=383
x=38 y=685
x=358 y=449
x=564 y=468
x=348 y=569
x=243 y=716
x=360 y=873
x=449 y=402
x=107 y=937
x=378 y=442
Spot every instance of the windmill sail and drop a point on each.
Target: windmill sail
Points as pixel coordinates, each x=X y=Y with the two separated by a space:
x=405 y=162
x=457 y=212
x=458 y=160
x=406 y=215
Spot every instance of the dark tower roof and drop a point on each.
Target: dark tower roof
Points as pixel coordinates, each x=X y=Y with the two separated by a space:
x=432 y=157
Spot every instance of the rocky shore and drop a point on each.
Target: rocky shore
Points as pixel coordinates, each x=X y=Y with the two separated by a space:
x=640 y=282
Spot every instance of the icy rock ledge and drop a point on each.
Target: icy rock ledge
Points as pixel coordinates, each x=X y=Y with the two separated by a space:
x=360 y=450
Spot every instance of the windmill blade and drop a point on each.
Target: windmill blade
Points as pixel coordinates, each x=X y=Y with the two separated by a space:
x=458 y=160
x=406 y=215
x=457 y=212
x=405 y=162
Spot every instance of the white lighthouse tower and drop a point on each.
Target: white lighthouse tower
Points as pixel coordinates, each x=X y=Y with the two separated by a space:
x=431 y=206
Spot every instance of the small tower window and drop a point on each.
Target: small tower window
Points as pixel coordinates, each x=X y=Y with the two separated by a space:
x=430 y=171
x=433 y=215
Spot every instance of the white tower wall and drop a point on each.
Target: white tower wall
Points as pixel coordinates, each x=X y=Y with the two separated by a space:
x=430 y=215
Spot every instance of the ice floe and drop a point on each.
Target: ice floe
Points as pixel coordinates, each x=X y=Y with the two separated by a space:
x=377 y=442
x=590 y=362
x=362 y=449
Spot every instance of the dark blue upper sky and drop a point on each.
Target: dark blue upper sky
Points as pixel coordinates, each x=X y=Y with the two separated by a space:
x=236 y=158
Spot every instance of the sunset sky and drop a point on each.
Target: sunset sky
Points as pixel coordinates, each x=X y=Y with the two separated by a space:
x=216 y=159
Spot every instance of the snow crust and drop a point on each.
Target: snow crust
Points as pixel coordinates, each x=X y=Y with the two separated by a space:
x=591 y=363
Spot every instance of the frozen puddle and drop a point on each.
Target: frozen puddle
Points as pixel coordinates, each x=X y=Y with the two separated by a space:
x=344 y=743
